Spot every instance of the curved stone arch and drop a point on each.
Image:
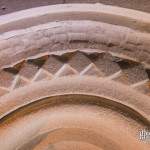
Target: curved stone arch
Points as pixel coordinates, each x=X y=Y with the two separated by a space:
x=112 y=93
x=47 y=59
x=98 y=12
x=52 y=121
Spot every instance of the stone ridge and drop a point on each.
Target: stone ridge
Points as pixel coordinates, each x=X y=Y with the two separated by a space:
x=63 y=35
x=14 y=5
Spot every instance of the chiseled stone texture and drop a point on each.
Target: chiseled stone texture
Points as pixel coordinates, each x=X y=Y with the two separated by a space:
x=8 y=6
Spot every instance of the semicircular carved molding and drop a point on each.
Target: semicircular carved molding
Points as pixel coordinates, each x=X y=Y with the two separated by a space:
x=76 y=77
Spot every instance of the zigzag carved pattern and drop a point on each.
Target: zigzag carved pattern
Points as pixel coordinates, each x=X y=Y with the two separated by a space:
x=100 y=64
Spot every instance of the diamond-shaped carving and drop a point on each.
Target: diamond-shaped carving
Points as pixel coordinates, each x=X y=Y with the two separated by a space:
x=19 y=82
x=66 y=70
x=92 y=70
x=42 y=75
x=106 y=65
x=52 y=64
x=132 y=74
x=79 y=61
x=28 y=70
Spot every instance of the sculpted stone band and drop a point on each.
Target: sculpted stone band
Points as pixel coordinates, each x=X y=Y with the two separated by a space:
x=75 y=76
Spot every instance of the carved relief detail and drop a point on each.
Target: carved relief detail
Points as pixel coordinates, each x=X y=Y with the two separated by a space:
x=99 y=64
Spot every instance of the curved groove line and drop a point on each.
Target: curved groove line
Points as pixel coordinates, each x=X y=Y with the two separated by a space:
x=108 y=103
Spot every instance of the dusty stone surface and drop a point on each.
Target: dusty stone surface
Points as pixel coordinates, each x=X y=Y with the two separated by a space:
x=76 y=77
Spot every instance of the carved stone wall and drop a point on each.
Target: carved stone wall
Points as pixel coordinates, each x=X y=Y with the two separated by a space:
x=74 y=76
